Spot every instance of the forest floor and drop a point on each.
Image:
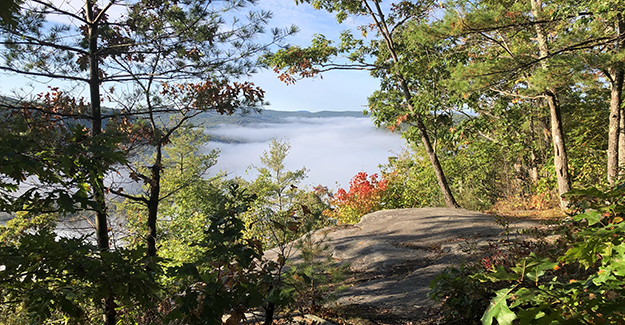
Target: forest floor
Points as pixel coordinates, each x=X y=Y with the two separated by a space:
x=393 y=256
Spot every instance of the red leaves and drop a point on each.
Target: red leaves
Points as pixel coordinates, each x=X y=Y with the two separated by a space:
x=363 y=197
x=50 y=110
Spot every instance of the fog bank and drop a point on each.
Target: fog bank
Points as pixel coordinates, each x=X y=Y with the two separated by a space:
x=332 y=149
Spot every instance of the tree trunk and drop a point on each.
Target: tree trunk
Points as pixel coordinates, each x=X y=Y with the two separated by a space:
x=614 y=125
x=96 y=130
x=269 y=311
x=533 y=165
x=450 y=201
x=614 y=133
x=155 y=189
x=621 y=140
x=560 y=158
x=97 y=179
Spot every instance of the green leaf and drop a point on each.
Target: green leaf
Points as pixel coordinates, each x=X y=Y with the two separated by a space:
x=306 y=278
x=535 y=268
x=618 y=267
x=592 y=216
x=499 y=309
x=499 y=274
x=602 y=276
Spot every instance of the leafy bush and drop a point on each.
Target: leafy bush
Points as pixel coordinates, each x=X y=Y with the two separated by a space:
x=585 y=284
x=410 y=182
x=473 y=176
x=364 y=196
x=229 y=278
x=578 y=279
x=46 y=279
x=463 y=296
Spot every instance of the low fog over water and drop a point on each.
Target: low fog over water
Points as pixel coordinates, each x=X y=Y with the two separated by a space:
x=332 y=149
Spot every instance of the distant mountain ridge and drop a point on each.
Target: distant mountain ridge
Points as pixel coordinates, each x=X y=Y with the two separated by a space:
x=213 y=119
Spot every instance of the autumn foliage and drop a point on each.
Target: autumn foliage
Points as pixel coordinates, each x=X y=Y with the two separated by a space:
x=364 y=196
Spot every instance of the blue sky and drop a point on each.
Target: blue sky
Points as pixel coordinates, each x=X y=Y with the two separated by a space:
x=336 y=91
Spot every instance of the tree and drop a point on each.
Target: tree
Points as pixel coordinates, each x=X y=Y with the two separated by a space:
x=189 y=44
x=7 y=12
x=560 y=159
x=506 y=62
x=282 y=212
x=183 y=171
x=402 y=86
x=182 y=104
x=606 y=24
x=542 y=60
x=278 y=194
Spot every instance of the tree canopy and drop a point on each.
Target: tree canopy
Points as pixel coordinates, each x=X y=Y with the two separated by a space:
x=505 y=105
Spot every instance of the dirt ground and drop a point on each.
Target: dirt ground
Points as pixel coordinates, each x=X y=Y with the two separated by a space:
x=393 y=256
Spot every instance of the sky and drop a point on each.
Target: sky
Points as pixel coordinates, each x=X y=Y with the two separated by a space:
x=336 y=91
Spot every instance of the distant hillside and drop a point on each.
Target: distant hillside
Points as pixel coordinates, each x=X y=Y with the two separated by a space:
x=213 y=119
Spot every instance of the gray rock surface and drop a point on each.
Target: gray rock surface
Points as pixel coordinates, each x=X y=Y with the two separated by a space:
x=404 y=250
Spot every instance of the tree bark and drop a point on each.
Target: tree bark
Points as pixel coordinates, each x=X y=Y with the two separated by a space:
x=621 y=140
x=450 y=201
x=614 y=133
x=560 y=158
x=533 y=165
x=155 y=189
x=269 y=311
x=96 y=129
x=97 y=180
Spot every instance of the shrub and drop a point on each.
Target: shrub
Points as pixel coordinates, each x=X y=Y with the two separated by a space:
x=464 y=297
x=364 y=196
x=578 y=279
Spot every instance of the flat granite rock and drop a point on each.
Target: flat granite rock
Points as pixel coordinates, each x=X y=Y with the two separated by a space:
x=407 y=248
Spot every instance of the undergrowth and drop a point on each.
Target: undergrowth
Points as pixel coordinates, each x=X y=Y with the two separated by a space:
x=572 y=272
